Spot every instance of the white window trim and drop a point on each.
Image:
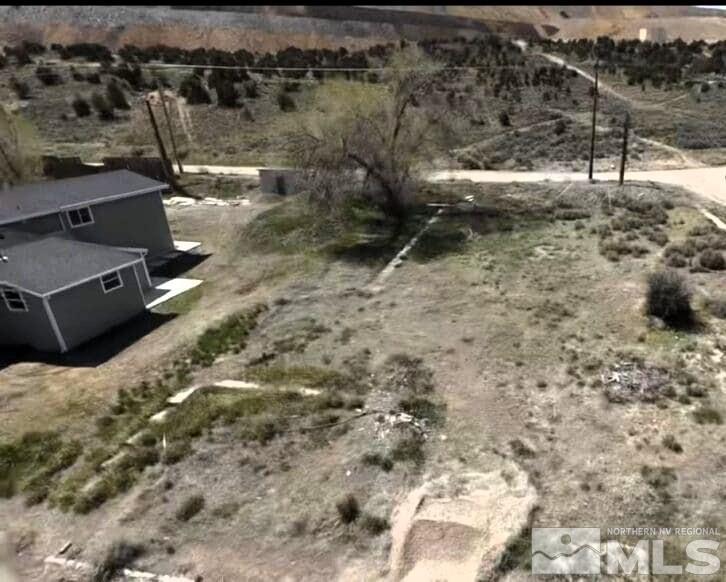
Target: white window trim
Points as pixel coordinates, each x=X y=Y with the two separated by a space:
x=19 y=293
x=82 y=224
x=120 y=280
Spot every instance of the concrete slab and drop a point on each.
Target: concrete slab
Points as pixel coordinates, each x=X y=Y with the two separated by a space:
x=182 y=396
x=237 y=385
x=186 y=246
x=180 y=201
x=127 y=573
x=160 y=417
x=172 y=288
x=720 y=224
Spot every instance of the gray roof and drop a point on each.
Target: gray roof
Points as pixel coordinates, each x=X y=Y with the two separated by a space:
x=49 y=264
x=42 y=198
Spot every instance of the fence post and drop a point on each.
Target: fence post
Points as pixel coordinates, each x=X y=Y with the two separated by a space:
x=594 y=120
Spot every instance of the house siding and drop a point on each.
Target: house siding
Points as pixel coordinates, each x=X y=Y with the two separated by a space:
x=141 y=274
x=27 y=328
x=85 y=311
x=138 y=221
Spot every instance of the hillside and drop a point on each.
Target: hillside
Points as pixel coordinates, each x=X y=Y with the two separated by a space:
x=254 y=28
x=686 y=22
x=270 y=28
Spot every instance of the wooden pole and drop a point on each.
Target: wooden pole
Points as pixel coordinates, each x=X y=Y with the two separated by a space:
x=168 y=124
x=160 y=143
x=624 y=156
x=594 y=120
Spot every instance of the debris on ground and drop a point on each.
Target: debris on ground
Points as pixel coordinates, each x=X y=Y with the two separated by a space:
x=634 y=381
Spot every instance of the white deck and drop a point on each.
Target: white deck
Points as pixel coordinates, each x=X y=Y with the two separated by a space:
x=172 y=288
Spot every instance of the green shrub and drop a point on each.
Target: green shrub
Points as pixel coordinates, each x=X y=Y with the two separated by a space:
x=175 y=452
x=420 y=407
x=31 y=462
x=374 y=525
x=571 y=214
x=190 y=507
x=120 y=555
x=713 y=260
x=116 y=96
x=658 y=237
x=228 y=336
x=378 y=460
x=676 y=260
x=348 y=509
x=20 y=88
x=102 y=107
x=717 y=307
x=707 y=415
x=409 y=449
x=669 y=298
x=192 y=89
x=285 y=102
x=47 y=76
x=251 y=90
x=670 y=442
x=687 y=248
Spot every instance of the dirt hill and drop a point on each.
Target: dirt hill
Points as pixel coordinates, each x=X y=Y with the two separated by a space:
x=269 y=28
x=687 y=22
x=254 y=28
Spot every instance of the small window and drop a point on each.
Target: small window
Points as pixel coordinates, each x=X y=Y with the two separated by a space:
x=14 y=299
x=80 y=217
x=111 y=282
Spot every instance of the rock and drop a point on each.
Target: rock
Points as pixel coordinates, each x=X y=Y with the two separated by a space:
x=457 y=527
x=656 y=322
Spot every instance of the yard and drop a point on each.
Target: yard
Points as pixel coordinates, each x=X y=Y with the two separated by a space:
x=501 y=341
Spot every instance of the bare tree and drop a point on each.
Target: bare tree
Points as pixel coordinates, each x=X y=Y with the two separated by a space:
x=366 y=139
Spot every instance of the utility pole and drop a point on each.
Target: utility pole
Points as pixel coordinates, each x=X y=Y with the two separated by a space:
x=624 y=157
x=594 y=120
x=162 y=151
x=168 y=124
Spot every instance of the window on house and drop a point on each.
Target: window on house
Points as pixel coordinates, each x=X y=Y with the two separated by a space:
x=111 y=282
x=14 y=299
x=80 y=217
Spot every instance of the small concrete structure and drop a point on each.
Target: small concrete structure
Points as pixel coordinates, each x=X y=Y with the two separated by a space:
x=281 y=181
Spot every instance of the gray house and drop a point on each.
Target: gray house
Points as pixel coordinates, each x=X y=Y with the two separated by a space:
x=73 y=257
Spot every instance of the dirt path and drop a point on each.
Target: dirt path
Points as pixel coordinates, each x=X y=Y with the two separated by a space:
x=707 y=182
x=604 y=87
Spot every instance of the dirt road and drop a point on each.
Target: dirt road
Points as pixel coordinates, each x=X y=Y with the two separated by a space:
x=708 y=182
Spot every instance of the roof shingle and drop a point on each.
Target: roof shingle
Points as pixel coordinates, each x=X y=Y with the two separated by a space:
x=42 y=198
x=47 y=264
